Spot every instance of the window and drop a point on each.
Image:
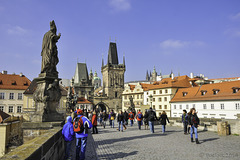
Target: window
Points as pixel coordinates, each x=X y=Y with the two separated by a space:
x=153 y=99
x=19 y=96
x=154 y=92
x=125 y=97
x=160 y=106
x=215 y=91
x=237 y=106
x=1 y=108
x=11 y=96
x=166 y=91
x=222 y=106
x=187 y=106
x=165 y=106
x=10 y=109
x=180 y=106
x=204 y=106
x=137 y=96
x=141 y=96
x=193 y=105
x=165 y=98
x=175 y=106
x=184 y=94
x=159 y=99
x=212 y=106
x=147 y=93
x=160 y=91
x=19 y=109
x=2 y=95
x=235 y=89
x=203 y=92
x=147 y=99
x=153 y=106
x=116 y=95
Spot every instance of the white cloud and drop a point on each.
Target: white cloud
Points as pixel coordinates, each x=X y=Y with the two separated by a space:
x=180 y=44
x=236 y=16
x=232 y=32
x=16 y=30
x=120 y=5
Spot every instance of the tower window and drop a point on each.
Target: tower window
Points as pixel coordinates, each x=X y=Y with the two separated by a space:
x=116 y=95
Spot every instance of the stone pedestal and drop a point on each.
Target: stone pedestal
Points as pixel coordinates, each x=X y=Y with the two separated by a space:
x=47 y=96
x=223 y=128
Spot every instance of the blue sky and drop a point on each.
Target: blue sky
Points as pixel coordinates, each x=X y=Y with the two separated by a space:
x=186 y=36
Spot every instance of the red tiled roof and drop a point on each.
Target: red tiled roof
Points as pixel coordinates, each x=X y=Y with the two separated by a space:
x=194 y=93
x=82 y=100
x=8 y=81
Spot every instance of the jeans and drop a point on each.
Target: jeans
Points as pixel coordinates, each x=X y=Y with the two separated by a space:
x=151 y=125
x=104 y=124
x=163 y=128
x=131 y=121
x=81 y=144
x=195 y=131
x=112 y=123
x=94 y=130
x=120 y=123
x=185 y=126
x=67 y=149
x=139 y=124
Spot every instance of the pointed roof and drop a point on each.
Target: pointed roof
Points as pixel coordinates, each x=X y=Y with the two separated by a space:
x=112 y=54
x=3 y=116
x=81 y=73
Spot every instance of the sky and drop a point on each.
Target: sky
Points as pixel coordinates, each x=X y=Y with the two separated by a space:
x=184 y=36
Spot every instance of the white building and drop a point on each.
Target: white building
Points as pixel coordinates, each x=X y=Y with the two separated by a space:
x=220 y=100
x=12 y=87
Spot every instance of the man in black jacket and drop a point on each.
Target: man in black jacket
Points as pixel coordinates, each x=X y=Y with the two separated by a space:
x=151 y=115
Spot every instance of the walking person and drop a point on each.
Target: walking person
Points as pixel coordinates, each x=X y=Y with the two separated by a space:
x=151 y=115
x=193 y=122
x=109 y=118
x=131 y=117
x=163 y=120
x=185 y=121
x=94 y=123
x=120 y=120
x=101 y=118
x=139 y=117
x=68 y=135
x=126 y=117
x=112 y=118
x=105 y=118
x=145 y=120
x=81 y=124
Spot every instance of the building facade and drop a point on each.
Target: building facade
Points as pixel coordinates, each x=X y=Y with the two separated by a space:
x=218 y=100
x=113 y=80
x=11 y=92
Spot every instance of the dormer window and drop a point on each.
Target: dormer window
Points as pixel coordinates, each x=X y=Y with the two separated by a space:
x=14 y=82
x=235 y=89
x=203 y=92
x=184 y=93
x=25 y=83
x=215 y=91
x=1 y=82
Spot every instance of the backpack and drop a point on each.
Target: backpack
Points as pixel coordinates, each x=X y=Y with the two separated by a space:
x=78 y=126
x=131 y=115
x=140 y=115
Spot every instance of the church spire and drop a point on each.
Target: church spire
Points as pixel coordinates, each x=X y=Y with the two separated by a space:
x=112 y=54
x=124 y=59
x=102 y=61
x=147 y=76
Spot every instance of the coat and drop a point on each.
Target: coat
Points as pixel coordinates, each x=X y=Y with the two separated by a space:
x=67 y=131
x=94 y=120
x=87 y=125
x=164 y=119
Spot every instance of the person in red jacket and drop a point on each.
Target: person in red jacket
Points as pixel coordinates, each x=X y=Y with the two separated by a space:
x=139 y=117
x=131 y=117
x=94 y=123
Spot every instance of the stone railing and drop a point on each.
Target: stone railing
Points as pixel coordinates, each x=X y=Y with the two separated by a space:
x=210 y=124
x=49 y=145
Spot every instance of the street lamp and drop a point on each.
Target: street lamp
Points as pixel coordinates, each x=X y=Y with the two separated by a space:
x=150 y=99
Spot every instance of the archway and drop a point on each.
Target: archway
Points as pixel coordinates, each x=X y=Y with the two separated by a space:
x=101 y=106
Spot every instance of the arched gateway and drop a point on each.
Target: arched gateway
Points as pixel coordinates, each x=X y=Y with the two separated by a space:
x=101 y=106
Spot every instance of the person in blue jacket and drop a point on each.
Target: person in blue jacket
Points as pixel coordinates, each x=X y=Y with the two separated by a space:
x=81 y=138
x=68 y=135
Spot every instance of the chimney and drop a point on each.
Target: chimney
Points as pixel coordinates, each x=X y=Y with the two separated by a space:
x=172 y=75
x=191 y=75
x=21 y=74
x=4 y=72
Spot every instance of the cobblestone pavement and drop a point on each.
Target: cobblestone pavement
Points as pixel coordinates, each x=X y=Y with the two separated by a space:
x=142 y=145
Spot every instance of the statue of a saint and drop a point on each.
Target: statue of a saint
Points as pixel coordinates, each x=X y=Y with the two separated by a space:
x=49 y=50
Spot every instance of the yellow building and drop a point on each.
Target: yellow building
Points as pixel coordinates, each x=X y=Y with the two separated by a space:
x=160 y=93
x=137 y=93
x=12 y=87
x=29 y=105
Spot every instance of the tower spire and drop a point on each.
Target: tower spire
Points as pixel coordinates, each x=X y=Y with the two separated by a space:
x=102 y=61
x=124 y=59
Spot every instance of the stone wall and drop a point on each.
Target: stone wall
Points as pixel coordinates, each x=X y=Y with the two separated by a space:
x=210 y=124
x=47 y=146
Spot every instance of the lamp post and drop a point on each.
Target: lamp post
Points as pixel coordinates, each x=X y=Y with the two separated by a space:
x=150 y=99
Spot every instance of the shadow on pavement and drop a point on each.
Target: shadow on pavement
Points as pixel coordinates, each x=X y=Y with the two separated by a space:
x=209 y=139
x=117 y=155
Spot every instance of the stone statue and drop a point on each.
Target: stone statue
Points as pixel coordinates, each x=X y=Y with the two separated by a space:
x=49 y=50
x=132 y=107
